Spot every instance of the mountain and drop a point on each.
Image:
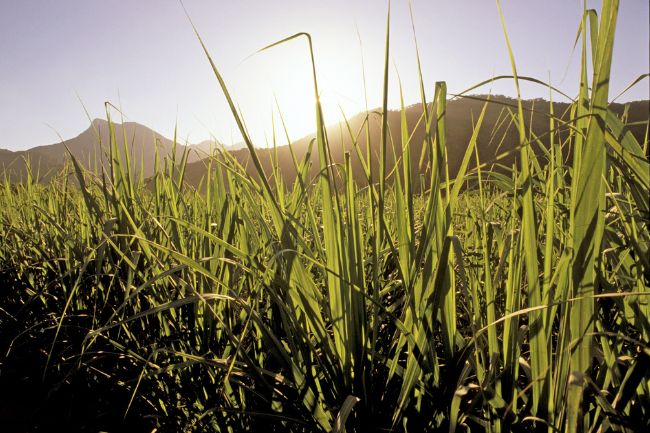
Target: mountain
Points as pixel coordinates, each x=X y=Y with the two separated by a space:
x=497 y=136
x=90 y=149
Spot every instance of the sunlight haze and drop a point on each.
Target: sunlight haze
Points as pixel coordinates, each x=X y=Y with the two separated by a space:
x=144 y=57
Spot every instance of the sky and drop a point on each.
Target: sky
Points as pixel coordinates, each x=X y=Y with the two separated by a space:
x=60 y=60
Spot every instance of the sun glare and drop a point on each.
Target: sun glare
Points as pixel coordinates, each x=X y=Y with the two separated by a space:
x=281 y=79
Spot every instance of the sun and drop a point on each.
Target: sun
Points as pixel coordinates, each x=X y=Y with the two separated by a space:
x=276 y=88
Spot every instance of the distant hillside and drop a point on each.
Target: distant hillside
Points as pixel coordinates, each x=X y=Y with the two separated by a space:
x=88 y=151
x=497 y=136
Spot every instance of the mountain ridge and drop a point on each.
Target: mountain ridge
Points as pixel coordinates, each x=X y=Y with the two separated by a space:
x=496 y=137
x=90 y=149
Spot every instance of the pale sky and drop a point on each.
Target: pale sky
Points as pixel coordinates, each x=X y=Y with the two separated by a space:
x=142 y=55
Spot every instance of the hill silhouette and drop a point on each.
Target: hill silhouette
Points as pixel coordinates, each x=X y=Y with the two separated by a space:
x=498 y=136
x=91 y=150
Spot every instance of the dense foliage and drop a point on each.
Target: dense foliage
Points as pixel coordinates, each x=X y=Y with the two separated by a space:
x=509 y=298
